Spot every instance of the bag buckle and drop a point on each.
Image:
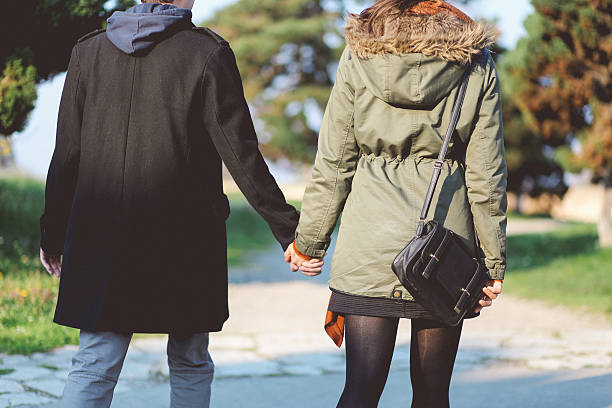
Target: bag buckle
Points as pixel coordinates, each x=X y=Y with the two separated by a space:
x=426 y=272
x=461 y=301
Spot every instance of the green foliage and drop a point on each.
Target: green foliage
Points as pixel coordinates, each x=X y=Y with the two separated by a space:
x=565 y=267
x=17 y=95
x=49 y=29
x=529 y=169
x=21 y=204
x=559 y=77
x=27 y=303
x=287 y=52
x=38 y=37
x=27 y=294
x=246 y=231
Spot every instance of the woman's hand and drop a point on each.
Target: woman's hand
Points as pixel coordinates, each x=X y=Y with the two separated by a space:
x=491 y=291
x=297 y=261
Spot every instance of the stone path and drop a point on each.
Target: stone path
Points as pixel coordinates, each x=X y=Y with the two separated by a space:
x=274 y=340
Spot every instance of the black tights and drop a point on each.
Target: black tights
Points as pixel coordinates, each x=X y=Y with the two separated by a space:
x=369 y=347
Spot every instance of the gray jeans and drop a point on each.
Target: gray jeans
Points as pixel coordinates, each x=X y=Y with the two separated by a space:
x=97 y=365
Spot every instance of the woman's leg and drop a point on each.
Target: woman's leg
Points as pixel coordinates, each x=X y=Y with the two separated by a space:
x=433 y=349
x=369 y=348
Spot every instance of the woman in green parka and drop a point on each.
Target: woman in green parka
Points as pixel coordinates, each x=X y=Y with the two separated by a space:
x=383 y=128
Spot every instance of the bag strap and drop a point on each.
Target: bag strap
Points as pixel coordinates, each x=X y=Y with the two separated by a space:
x=442 y=156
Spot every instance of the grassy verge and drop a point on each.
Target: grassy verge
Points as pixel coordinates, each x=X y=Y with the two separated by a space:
x=519 y=216
x=28 y=294
x=565 y=267
x=246 y=231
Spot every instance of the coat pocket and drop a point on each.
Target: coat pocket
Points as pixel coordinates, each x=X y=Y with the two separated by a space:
x=221 y=207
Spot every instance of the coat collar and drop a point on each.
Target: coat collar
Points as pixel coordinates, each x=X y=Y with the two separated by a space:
x=444 y=33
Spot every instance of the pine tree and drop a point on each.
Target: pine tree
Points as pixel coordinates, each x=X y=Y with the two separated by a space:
x=530 y=170
x=560 y=77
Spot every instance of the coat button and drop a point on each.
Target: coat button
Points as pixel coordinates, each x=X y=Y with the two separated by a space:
x=397 y=294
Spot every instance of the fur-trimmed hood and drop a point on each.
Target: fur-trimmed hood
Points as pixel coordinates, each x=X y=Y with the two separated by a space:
x=419 y=59
x=442 y=35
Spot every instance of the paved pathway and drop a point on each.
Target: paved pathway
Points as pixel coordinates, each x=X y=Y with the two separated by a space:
x=273 y=352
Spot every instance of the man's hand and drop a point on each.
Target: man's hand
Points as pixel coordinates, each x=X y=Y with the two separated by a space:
x=491 y=291
x=309 y=267
x=52 y=263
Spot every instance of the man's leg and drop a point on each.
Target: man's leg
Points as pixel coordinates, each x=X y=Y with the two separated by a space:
x=95 y=370
x=191 y=371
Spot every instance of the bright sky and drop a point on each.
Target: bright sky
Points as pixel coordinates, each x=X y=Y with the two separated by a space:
x=34 y=146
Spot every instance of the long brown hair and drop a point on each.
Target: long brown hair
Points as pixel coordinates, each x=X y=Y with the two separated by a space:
x=380 y=12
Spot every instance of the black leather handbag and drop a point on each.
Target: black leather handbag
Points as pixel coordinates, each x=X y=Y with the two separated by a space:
x=435 y=267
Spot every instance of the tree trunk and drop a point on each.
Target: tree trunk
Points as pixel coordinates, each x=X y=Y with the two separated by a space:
x=7 y=160
x=605 y=221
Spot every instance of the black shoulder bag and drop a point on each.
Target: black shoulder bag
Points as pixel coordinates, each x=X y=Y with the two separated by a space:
x=435 y=266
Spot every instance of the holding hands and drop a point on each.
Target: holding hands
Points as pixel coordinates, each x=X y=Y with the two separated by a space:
x=298 y=261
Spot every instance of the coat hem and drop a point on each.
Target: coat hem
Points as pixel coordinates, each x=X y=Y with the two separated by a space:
x=135 y=329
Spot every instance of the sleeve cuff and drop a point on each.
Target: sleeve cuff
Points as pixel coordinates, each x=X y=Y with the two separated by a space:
x=49 y=244
x=498 y=272
x=299 y=253
x=312 y=250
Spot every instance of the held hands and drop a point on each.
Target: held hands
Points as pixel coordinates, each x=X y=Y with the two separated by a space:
x=491 y=291
x=52 y=263
x=297 y=261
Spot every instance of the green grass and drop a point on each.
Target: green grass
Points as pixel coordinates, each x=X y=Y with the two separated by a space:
x=28 y=294
x=246 y=231
x=565 y=267
x=519 y=216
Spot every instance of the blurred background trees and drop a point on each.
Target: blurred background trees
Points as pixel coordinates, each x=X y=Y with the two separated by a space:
x=556 y=82
x=560 y=77
x=38 y=36
x=287 y=52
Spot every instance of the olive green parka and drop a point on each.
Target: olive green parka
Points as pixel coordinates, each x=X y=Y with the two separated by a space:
x=381 y=133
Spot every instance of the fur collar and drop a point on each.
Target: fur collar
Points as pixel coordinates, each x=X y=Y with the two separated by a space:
x=440 y=35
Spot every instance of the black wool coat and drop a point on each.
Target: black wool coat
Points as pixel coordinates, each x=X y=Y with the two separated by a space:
x=134 y=197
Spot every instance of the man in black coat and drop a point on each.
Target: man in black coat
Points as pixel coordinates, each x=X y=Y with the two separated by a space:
x=134 y=198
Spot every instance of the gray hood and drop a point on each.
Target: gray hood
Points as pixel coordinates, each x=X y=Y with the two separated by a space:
x=137 y=30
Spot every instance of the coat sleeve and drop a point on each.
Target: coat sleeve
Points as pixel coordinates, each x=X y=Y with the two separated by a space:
x=63 y=171
x=228 y=123
x=334 y=168
x=486 y=175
